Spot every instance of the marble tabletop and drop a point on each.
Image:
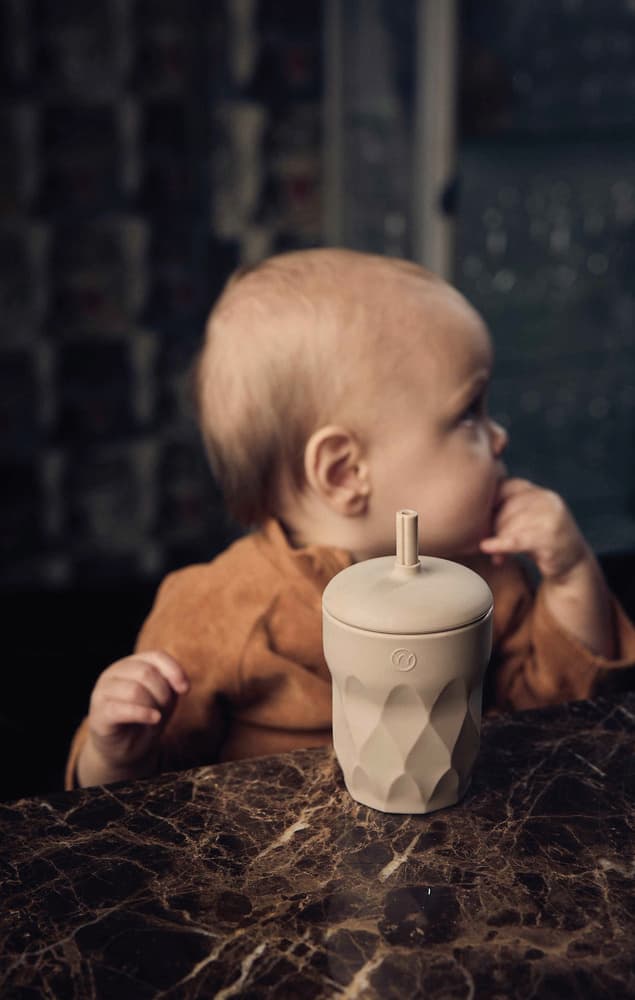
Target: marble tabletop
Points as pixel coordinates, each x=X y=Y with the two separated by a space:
x=263 y=878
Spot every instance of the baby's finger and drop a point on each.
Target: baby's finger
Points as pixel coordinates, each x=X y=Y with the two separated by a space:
x=516 y=507
x=514 y=487
x=523 y=520
x=116 y=713
x=136 y=680
x=501 y=544
x=143 y=689
x=169 y=669
x=159 y=668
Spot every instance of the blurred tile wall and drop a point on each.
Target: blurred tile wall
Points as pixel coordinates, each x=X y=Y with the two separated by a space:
x=543 y=202
x=546 y=241
x=146 y=149
x=377 y=80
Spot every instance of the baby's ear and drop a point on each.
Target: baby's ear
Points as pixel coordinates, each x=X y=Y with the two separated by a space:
x=336 y=470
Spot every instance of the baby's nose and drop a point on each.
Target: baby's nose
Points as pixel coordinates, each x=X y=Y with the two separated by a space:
x=500 y=438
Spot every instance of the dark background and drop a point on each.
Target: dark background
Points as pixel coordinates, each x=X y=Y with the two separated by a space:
x=147 y=147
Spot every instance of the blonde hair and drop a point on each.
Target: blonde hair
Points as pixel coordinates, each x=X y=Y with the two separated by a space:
x=290 y=346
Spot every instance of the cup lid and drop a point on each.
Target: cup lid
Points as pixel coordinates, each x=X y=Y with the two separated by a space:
x=407 y=595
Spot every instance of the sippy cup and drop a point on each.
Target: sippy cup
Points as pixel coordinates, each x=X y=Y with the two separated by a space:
x=407 y=642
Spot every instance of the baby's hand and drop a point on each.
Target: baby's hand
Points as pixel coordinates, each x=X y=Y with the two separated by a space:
x=538 y=522
x=129 y=707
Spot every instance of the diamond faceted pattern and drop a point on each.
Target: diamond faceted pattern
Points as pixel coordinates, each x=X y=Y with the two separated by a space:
x=406 y=756
x=362 y=714
x=403 y=715
x=466 y=748
x=449 y=706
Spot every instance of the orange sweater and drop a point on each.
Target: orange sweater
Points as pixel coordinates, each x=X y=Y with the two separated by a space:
x=247 y=628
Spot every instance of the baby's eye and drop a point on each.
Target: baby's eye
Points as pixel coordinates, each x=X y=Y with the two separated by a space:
x=474 y=411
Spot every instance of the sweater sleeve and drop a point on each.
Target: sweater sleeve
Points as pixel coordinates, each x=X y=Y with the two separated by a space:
x=191 y=622
x=538 y=662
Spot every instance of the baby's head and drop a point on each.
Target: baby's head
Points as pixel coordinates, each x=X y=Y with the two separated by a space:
x=335 y=387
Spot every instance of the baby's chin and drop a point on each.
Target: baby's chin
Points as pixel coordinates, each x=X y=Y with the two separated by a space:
x=469 y=552
x=472 y=546
x=465 y=550
x=489 y=528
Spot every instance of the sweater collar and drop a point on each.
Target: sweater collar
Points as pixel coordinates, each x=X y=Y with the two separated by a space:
x=313 y=561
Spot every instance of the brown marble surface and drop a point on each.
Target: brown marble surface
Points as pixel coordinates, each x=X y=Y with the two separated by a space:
x=264 y=879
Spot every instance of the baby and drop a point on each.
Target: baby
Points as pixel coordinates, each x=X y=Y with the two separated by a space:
x=334 y=388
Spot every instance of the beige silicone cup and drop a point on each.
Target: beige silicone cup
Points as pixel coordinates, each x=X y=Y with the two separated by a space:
x=407 y=705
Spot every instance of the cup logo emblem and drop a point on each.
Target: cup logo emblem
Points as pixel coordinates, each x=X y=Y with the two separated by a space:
x=403 y=659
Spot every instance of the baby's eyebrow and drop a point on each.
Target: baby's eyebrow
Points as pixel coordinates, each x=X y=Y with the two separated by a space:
x=471 y=388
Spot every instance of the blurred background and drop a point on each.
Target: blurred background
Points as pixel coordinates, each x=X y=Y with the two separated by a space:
x=148 y=147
